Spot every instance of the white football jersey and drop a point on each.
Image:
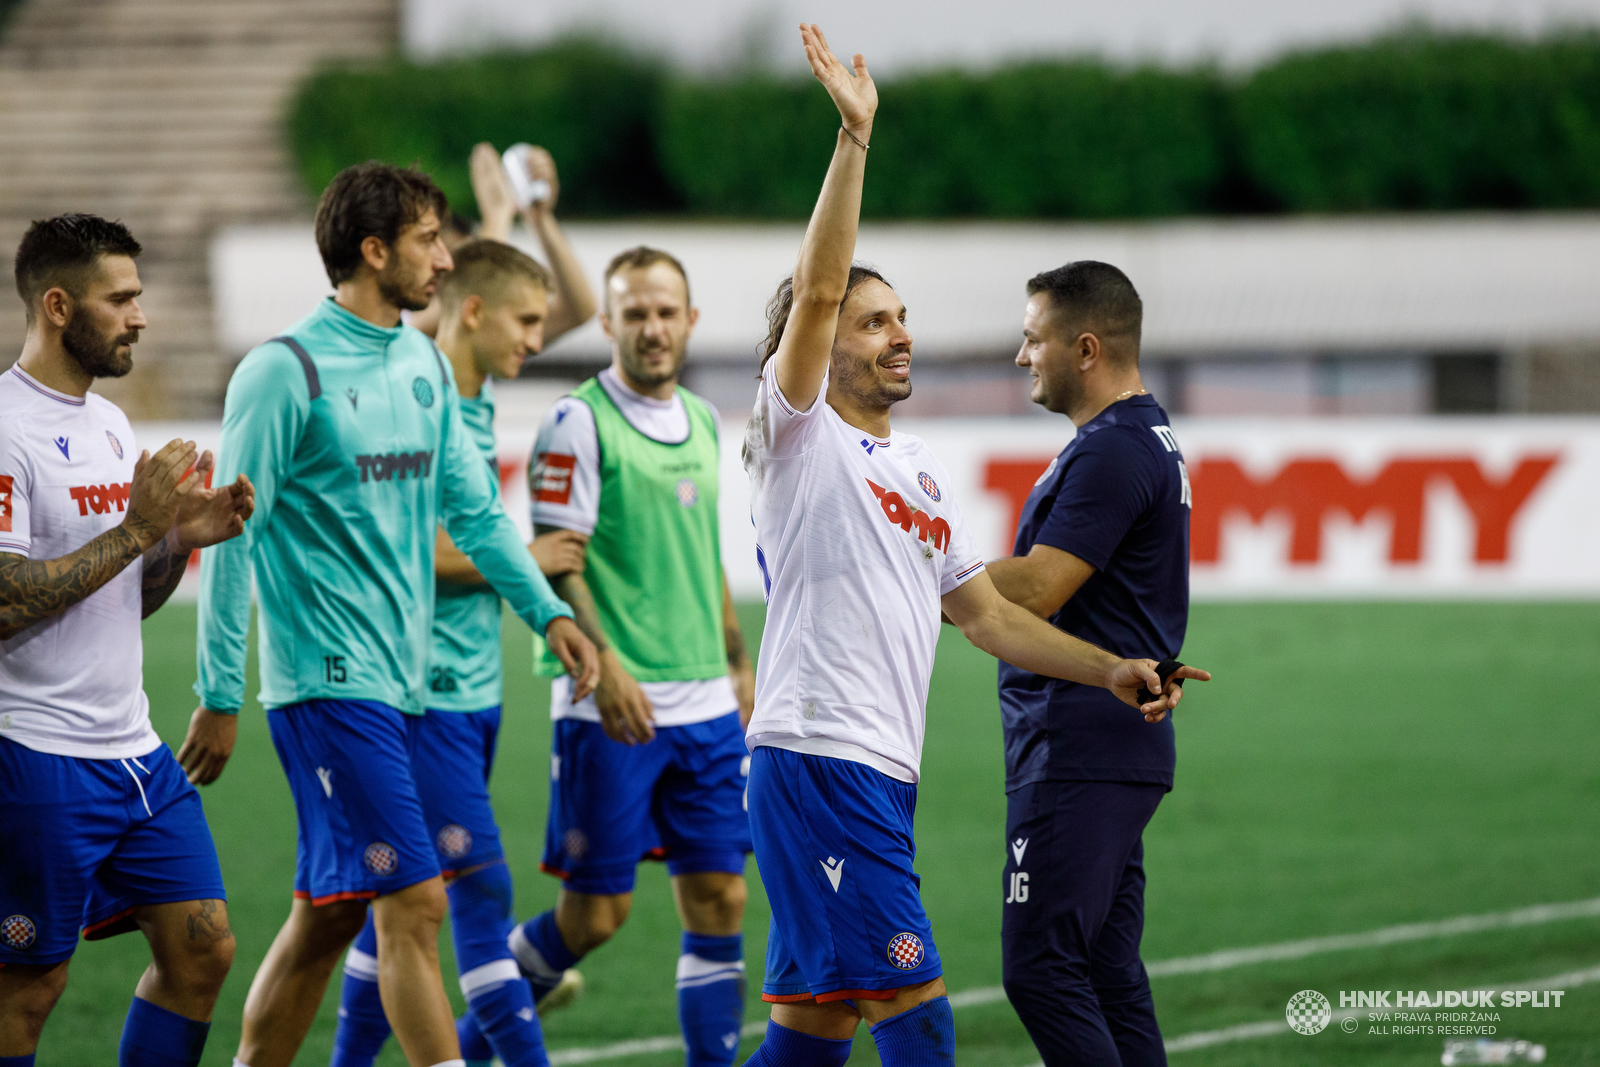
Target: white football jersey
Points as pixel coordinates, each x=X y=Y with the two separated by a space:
x=73 y=684
x=857 y=540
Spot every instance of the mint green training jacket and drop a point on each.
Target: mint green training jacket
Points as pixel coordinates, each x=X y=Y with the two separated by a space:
x=357 y=454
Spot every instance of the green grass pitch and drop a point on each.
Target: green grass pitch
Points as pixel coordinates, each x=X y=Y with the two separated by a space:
x=1353 y=766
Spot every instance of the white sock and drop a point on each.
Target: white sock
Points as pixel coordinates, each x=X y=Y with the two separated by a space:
x=237 y=1062
x=451 y=1063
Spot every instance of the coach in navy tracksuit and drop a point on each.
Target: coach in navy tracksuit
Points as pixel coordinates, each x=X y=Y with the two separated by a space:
x=1102 y=551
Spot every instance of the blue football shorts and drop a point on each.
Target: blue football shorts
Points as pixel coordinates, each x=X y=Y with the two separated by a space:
x=834 y=843
x=362 y=833
x=84 y=842
x=679 y=797
x=451 y=760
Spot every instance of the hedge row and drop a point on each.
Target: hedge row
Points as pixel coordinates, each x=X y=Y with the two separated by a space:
x=1417 y=120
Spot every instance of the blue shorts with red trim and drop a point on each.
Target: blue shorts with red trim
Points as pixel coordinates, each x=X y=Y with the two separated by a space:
x=451 y=760
x=679 y=797
x=362 y=833
x=834 y=843
x=83 y=842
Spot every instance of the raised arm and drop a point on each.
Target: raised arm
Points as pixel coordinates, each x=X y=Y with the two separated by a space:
x=572 y=304
x=823 y=272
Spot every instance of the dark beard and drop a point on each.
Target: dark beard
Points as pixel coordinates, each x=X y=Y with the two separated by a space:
x=650 y=380
x=863 y=383
x=96 y=355
x=390 y=291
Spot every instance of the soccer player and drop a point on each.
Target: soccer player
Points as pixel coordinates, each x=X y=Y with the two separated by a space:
x=656 y=757
x=1102 y=551
x=861 y=547
x=98 y=826
x=350 y=427
x=496 y=302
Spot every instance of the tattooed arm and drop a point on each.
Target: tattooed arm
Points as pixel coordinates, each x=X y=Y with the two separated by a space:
x=32 y=590
x=163 y=570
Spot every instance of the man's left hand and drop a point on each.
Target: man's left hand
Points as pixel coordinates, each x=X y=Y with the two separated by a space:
x=207 y=516
x=576 y=653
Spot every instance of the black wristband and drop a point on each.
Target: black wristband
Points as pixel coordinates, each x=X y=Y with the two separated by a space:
x=1164 y=670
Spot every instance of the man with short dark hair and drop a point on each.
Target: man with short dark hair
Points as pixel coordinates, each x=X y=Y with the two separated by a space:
x=98 y=827
x=655 y=760
x=351 y=428
x=1102 y=551
x=495 y=303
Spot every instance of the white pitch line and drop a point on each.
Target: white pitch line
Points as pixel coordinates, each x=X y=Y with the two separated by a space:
x=1226 y=959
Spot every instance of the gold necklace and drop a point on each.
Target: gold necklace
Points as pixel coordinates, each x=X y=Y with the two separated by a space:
x=1131 y=392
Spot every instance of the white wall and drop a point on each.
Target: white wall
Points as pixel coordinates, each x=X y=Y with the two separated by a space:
x=1486 y=282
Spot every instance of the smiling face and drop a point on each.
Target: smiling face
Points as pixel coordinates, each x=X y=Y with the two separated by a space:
x=649 y=320
x=871 y=361
x=1050 y=357
x=410 y=268
x=509 y=327
x=105 y=319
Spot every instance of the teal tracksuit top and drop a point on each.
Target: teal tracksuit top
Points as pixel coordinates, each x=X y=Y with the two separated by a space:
x=464 y=668
x=358 y=453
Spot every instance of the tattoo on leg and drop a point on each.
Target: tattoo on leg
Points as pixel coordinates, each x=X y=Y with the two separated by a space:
x=209 y=922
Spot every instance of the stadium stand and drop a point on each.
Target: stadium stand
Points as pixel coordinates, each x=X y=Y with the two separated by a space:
x=167 y=115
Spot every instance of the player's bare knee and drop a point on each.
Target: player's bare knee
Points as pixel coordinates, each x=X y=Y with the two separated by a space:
x=712 y=903
x=415 y=911
x=30 y=994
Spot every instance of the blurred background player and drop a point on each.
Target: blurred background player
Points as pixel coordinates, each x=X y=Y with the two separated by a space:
x=571 y=299
x=1102 y=551
x=351 y=429
x=98 y=826
x=861 y=547
x=496 y=303
x=656 y=757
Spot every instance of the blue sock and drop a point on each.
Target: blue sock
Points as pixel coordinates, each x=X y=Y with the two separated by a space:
x=475 y=1048
x=156 y=1037
x=925 y=1036
x=541 y=954
x=17 y=1061
x=499 y=1000
x=363 y=1028
x=783 y=1047
x=711 y=998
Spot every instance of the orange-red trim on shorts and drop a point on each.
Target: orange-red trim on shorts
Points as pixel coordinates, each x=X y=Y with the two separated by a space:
x=837 y=994
x=554 y=871
x=99 y=930
x=317 y=902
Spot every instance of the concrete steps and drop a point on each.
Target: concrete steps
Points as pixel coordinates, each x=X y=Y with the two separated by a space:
x=168 y=115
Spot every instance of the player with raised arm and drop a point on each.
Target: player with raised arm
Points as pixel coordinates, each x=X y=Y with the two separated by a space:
x=496 y=303
x=861 y=548
x=656 y=757
x=98 y=827
x=350 y=427
x=571 y=299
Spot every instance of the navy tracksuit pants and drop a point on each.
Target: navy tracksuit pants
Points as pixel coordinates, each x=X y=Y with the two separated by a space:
x=1073 y=917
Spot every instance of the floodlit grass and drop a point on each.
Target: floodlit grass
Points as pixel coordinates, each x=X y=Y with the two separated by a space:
x=1353 y=766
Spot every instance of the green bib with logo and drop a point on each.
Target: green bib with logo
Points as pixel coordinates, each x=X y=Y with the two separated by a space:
x=655 y=558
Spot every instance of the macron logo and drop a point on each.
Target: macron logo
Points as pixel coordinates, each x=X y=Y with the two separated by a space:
x=326 y=775
x=834 y=869
x=1018 y=847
